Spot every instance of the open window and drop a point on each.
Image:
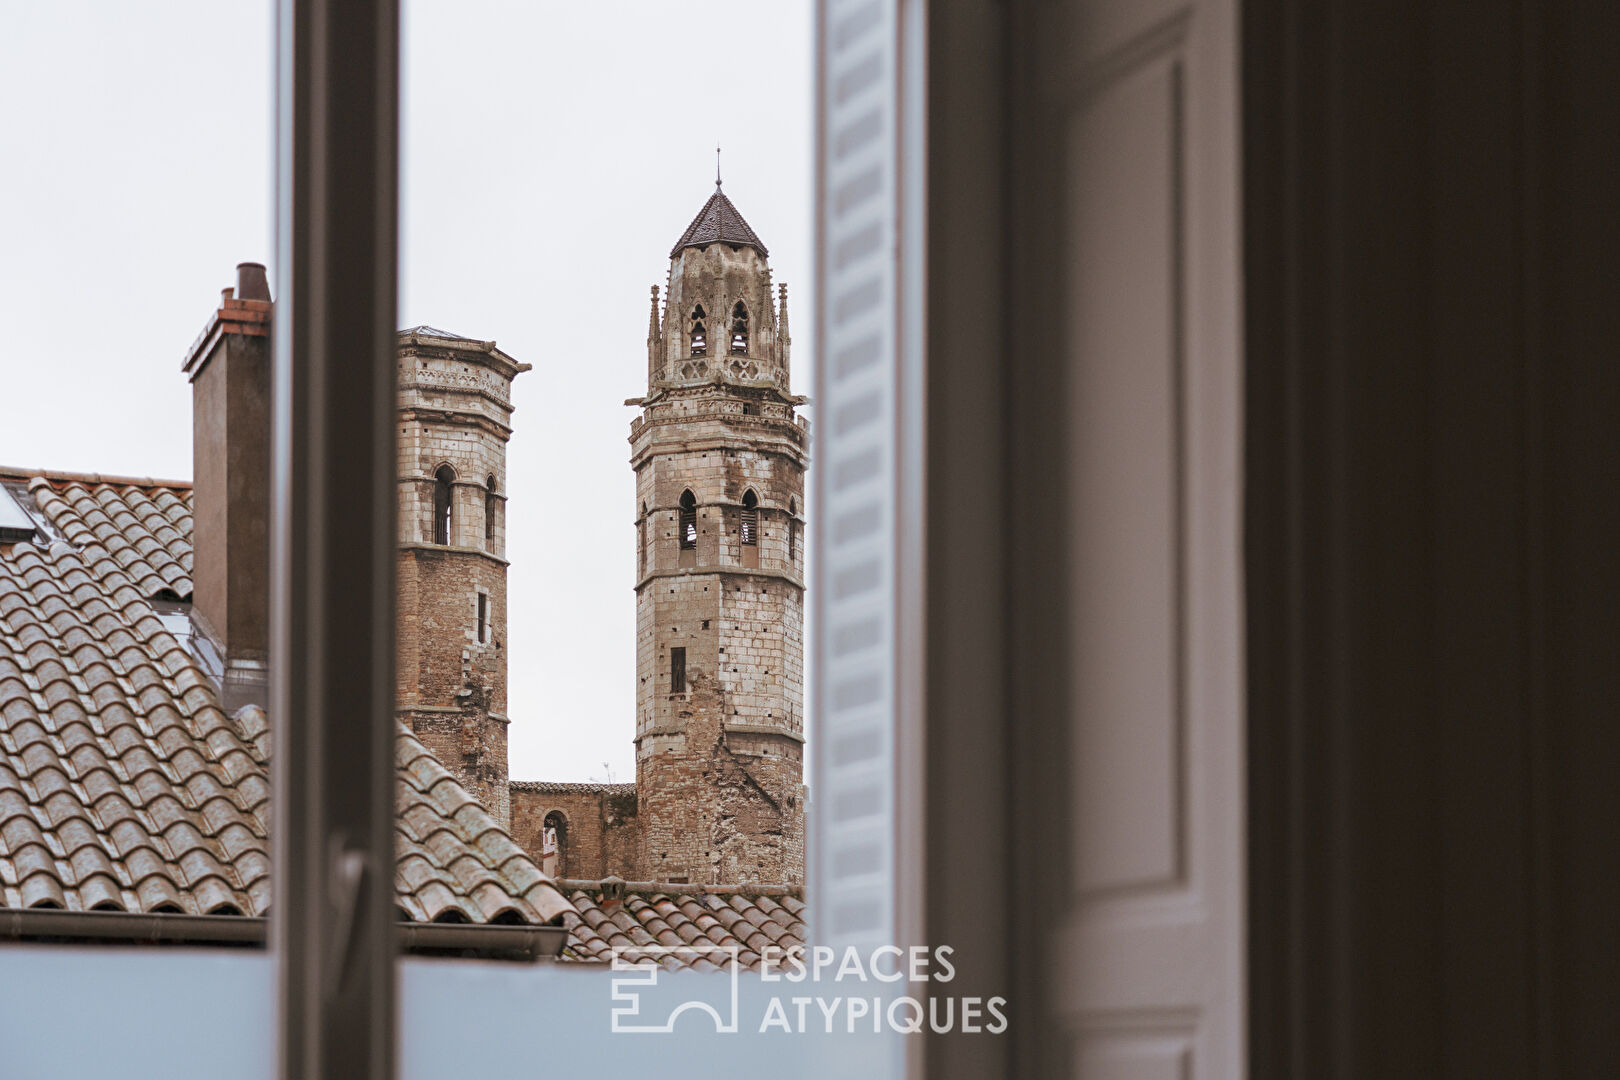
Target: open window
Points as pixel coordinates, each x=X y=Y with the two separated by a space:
x=793 y=533
x=444 y=489
x=698 y=334
x=492 y=509
x=748 y=528
x=686 y=526
x=739 y=329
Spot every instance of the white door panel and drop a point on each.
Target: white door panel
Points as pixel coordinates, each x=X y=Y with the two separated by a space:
x=1148 y=973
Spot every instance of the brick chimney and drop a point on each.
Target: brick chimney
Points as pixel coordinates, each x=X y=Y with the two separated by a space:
x=229 y=369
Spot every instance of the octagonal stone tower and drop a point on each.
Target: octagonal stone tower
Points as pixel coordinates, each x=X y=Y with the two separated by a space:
x=455 y=418
x=720 y=460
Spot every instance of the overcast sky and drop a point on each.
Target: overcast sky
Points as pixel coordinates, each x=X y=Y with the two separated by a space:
x=552 y=153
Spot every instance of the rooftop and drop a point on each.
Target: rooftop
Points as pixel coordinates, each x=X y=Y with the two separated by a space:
x=718 y=222
x=125 y=788
x=133 y=807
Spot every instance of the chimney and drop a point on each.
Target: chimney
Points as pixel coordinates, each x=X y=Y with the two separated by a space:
x=229 y=369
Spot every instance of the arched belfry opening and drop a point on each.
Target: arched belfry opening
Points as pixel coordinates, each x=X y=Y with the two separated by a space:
x=793 y=533
x=492 y=509
x=687 y=527
x=698 y=334
x=444 y=489
x=739 y=329
x=748 y=529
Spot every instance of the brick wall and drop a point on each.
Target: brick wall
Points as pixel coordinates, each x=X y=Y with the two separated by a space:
x=454 y=409
x=451 y=686
x=601 y=826
x=717 y=807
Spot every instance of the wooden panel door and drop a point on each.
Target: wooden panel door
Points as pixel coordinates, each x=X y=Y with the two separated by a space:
x=1141 y=99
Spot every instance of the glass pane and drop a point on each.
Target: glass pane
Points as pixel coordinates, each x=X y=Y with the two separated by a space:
x=68 y=1012
x=606 y=233
x=134 y=777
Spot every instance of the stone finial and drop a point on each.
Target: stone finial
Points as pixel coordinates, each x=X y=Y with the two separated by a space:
x=783 y=340
x=654 y=340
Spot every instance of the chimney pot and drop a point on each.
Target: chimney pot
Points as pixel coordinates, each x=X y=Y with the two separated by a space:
x=227 y=293
x=251 y=282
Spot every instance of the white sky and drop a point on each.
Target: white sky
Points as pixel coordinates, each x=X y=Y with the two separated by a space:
x=552 y=153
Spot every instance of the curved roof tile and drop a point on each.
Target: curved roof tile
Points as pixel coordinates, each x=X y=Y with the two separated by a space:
x=123 y=785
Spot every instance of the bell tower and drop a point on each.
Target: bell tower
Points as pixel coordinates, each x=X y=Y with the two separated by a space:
x=455 y=417
x=719 y=458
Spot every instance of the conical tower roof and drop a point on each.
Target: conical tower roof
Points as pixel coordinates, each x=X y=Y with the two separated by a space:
x=720 y=222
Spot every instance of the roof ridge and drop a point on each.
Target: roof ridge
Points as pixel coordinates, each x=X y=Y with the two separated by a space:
x=9 y=472
x=572 y=786
x=679 y=888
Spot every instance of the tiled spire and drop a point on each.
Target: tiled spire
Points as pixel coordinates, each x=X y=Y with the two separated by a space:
x=718 y=221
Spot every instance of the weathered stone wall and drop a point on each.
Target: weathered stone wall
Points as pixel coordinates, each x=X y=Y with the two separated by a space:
x=716 y=806
x=455 y=409
x=601 y=826
x=719 y=762
x=718 y=277
x=719 y=795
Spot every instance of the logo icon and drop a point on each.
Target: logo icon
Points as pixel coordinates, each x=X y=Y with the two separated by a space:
x=720 y=1003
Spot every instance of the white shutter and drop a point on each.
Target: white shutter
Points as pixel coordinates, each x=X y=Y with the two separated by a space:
x=856 y=480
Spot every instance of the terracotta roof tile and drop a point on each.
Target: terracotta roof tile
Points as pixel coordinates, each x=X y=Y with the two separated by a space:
x=555 y=787
x=751 y=919
x=123 y=786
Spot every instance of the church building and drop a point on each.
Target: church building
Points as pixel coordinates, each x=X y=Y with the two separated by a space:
x=134 y=628
x=719 y=458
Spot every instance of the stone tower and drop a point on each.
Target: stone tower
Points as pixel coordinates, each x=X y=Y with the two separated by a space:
x=720 y=459
x=455 y=415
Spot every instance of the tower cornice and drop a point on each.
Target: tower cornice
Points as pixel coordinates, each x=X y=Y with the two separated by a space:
x=723 y=570
x=669 y=388
x=427 y=337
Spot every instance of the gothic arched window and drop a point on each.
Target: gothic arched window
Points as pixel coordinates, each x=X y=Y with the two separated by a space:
x=641 y=540
x=793 y=532
x=443 y=503
x=491 y=507
x=700 y=336
x=687 y=524
x=739 y=328
x=750 y=529
x=688 y=520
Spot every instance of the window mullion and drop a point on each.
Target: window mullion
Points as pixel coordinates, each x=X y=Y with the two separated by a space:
x=333 y=536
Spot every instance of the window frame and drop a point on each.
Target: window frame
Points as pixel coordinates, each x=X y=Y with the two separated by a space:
x=337 y=199
x=334 y=536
